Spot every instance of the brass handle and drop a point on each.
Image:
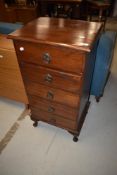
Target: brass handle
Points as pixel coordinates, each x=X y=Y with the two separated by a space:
x=48 y=78
x=51 y=109
x=50 y=95
x=46 y=58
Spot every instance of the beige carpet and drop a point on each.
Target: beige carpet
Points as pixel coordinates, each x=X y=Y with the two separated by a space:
x=11 y=112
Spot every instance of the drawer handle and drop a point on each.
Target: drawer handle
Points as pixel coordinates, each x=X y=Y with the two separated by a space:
x=50 y=95
x=21 y=49
x=51 y=109
x=1 y=56
x=48 y=78
x=46 y=58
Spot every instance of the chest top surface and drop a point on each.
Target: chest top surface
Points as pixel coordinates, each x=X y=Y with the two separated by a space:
x=58 y=31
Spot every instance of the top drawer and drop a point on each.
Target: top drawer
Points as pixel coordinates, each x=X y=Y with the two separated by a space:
x=56 y=57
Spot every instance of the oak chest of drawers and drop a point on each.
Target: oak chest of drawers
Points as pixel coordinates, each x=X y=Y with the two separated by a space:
x=56 y=58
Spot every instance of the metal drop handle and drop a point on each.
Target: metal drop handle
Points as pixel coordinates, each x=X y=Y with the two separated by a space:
x=46 y=58
x=50 y=95
x=48 y=78
x=51 y=109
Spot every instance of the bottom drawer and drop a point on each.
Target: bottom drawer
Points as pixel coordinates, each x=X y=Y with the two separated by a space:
x=53 y=108
x=38 y=114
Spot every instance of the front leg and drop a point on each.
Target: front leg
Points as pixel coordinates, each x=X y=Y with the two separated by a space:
x=35 y=124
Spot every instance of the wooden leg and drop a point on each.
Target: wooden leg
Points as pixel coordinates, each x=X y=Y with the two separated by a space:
x=80 y=123
x=75 y=138
x=98 y=98
x=35 y=124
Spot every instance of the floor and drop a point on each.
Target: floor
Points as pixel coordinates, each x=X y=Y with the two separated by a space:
x=48 y=150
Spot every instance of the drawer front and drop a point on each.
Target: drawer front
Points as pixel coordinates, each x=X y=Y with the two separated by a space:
x=56 y=57
x=53 y=78
x=53 y=119
x=53 y=108
x=52 y=94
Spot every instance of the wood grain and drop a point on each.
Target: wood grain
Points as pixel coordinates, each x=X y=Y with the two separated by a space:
x=38 y=114
x=61 y=58
x=58 y=95
x=52 y=78
x=11 y=84
x=53 y=107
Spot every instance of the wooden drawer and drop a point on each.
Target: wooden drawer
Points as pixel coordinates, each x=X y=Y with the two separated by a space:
x=53 y=78
x=53 y=107
x=38 y=114
x=52 y=94
x=56 y=57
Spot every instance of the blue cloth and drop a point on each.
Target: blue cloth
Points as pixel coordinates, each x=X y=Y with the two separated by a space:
x=6 y=28
x=104 y=55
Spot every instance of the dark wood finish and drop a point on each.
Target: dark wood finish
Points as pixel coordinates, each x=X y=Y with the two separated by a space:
x=13 y=12
x=53 y=119
x=47 y=7
x=100 y=6
x=65 y=34
x=52 y=94
x=2 y=11
x=53 y=78
x=26 y=14
x=53 y=107
x=56 y=59
x=34 y=53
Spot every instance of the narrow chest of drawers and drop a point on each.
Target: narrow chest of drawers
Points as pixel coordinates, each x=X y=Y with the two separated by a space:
x=56 y=58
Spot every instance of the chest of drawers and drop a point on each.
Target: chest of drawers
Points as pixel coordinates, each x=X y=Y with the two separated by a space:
x=56 y=58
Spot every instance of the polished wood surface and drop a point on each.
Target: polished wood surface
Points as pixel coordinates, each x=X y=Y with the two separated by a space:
x=53 y=119
x=56 y=58
x=52 y=78
x=53 y=108
x=36 y=54
x=52 y=94
x=60 y=32
x=11 y=84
